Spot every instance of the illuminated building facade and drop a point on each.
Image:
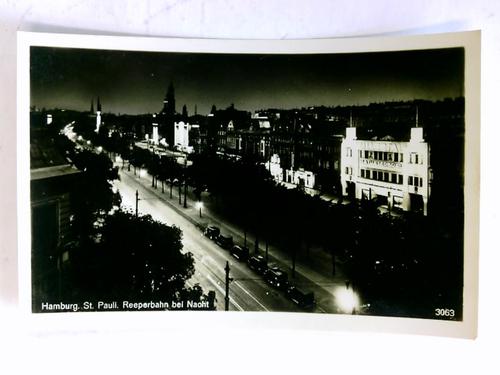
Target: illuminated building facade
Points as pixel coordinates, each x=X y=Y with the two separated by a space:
x=394 y=173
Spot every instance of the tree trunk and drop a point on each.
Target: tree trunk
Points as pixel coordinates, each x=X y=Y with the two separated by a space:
x=162 y=186
x=185 y=194
x=256 y=242
x=171 y=184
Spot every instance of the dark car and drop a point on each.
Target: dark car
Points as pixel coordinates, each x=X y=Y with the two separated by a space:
x=276 y=277
x=240 y=252
x=301 y=298
x=212 y=232
x=258 y=263
x=226 y=242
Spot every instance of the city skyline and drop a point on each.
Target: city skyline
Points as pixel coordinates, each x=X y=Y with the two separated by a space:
x=136 y=82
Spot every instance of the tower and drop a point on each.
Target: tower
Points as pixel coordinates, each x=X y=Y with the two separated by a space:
x=166 y=117
x=98 y=116
x=169 y=101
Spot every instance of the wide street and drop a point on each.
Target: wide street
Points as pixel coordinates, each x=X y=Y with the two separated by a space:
x=248 y=291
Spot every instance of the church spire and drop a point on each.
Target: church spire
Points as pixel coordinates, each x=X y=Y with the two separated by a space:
x=99 y=105
x=169 y=101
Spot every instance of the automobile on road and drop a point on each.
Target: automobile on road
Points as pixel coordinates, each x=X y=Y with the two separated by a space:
x=258 y=263
x=276 y=277
x=226 y=242
x=240 y=252
x=212 y=232
x=300 y=298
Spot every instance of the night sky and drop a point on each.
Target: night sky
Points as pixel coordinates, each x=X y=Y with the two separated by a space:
x=136 y=82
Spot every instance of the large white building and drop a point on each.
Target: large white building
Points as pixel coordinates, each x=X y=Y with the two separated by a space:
x=395 y=173
x=181 y=135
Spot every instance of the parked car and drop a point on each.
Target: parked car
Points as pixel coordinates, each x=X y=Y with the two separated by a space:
x=240 y=252
x=226 y=242
x=258 y=263
x=212 y=232
x=301 y=298
x=276 y=277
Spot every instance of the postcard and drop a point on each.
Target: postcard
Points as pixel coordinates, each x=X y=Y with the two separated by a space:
x=333 y=182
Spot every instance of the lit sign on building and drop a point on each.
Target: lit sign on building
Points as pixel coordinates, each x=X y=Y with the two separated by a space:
x=398 y=172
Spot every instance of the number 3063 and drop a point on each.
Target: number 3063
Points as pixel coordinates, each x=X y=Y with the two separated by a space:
x=448 y=313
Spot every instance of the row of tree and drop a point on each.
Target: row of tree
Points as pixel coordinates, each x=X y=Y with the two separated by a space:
x=385 y=257
x=117 y=256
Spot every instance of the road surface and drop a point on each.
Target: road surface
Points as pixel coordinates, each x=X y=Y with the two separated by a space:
x=248 y=291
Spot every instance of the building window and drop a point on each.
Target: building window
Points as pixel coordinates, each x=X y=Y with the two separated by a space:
x=349 y=151
x=414 y=158
x=363 y=173
x=410 y=180
x=367 y=173
x=394 y=178
x=386 y=176
x=400 y=179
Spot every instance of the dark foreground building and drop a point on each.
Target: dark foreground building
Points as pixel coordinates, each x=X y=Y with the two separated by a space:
x=52 y=184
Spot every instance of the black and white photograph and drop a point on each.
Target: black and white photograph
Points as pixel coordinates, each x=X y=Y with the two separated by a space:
x=313 y=182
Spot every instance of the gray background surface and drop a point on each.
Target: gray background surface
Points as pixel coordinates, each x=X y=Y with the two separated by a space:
x=246 y=351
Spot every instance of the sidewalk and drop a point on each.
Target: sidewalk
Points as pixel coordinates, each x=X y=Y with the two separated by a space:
x=315 y=276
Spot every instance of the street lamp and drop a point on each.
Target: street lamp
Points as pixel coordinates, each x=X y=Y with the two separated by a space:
x=347 y=299
x=199 y=206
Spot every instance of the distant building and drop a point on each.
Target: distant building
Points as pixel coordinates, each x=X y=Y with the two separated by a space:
x=181 y=135
x=299 y=177
x=155 y=136
x=98 y=120
x=166 y=117
x=392 y=172
x=261 y=121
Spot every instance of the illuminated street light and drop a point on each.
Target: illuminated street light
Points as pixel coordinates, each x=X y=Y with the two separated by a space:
x=99 y=149
x=142 y=172
x=199 y=206
x=347 y=300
